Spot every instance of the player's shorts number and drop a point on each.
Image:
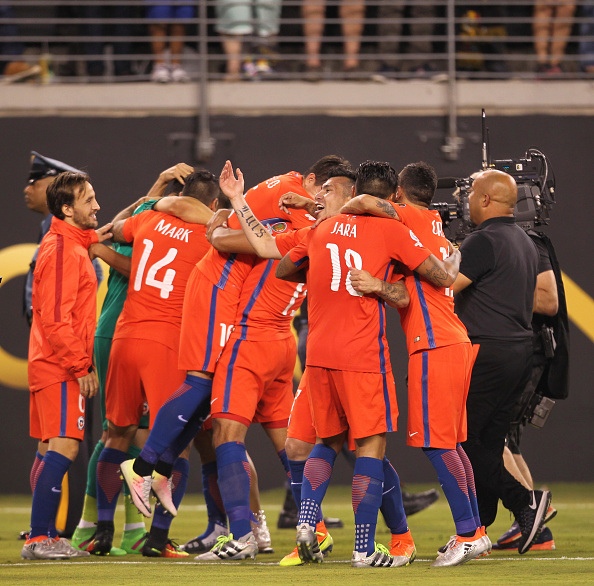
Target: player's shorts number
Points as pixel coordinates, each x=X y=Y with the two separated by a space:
x=352 y=260
x=166 y=285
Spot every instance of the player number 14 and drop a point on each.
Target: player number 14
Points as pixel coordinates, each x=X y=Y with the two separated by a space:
x=166 y=285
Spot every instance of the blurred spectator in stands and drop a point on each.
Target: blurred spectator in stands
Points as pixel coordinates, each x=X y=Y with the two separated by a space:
x=158 y=14
x=417 y=16
x=552 y=27
x=351 y=14
x=117 y=28
x=473 y=53
x=587 y=30
x=237 y=19
x=14 y=67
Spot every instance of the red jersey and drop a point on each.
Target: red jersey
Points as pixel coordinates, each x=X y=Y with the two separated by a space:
x=266 y=304
x=429 y=321
x=229 y=271
x=166 y=249
x=64 y=307
x=347 y=329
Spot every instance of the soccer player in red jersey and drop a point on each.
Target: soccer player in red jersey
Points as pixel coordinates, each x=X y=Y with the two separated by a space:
x=61 y=372
x=143 y=363
x=440 y=357
x=350 y=385
x=219 y=285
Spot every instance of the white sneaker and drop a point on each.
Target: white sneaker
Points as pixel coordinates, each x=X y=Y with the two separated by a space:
x=161 y=73
x=162 y=488
x=262 y=533
x=179 y=75
x=140 y=487
x=227 y=548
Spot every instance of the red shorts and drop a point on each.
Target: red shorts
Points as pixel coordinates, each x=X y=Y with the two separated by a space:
x=365 y=402
x=139 y=371
x=207 y=319
x=57 y=411
x=253 y=381
x=300 y=423
x=438 y=381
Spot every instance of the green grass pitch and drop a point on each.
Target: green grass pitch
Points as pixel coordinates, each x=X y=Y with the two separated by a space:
x=571 y=563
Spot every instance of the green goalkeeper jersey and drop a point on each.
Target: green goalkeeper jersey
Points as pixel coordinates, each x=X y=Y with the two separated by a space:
x=117 y=287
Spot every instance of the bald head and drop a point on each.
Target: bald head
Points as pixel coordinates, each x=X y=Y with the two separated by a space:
x=501 y=187
x=494 y=193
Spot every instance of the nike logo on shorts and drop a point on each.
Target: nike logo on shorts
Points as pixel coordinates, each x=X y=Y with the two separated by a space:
x=411 y=434
x=181 y=418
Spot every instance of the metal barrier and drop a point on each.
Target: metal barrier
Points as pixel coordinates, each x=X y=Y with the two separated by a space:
x=77 y=41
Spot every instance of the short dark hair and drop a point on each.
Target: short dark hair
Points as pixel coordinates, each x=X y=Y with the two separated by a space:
x=62 y=190
x=344 y=170
x=376 y=178
x=321 y=169
x=419 y=182
x=202 y=185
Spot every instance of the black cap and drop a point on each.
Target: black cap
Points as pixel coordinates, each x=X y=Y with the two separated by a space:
x=45 y=167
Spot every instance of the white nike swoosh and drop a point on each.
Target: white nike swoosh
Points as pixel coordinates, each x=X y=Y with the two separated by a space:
x=54 y=489
x=387 y=491
x=215 y=399
x=533 y=504
x=181 y=418
x=411 y=434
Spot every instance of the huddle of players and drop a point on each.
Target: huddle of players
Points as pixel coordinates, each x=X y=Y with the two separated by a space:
x=234 y=357
x=355 y=378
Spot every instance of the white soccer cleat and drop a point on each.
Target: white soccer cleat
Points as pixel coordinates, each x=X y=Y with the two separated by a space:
x=162 y=488
x=262 y=533
x=307 y=545
x=44 y=549
x=380 y=558
x=140 y=487
x=229 y=549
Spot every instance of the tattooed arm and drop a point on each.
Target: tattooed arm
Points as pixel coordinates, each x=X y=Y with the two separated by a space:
x=442 y=273
x=394 y=294
x=257 y=235
x=368 y=204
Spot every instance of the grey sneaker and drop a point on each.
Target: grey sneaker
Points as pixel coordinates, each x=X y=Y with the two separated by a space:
x=380 y=558
x=307 y=544
x=46 y=549
x=140 y=487
x=532 y=517
x=459 y=552
x=65 y=546
x=226 y=548
x=262 y=533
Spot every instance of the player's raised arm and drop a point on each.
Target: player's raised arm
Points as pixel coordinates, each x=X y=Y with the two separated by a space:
x=185 y=208
x=257 y=235
x=368 y=204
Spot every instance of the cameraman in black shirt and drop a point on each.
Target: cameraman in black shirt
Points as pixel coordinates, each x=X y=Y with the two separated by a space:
x=494 y=299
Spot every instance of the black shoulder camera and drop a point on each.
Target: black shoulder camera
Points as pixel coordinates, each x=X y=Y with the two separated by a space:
x=536 y=192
